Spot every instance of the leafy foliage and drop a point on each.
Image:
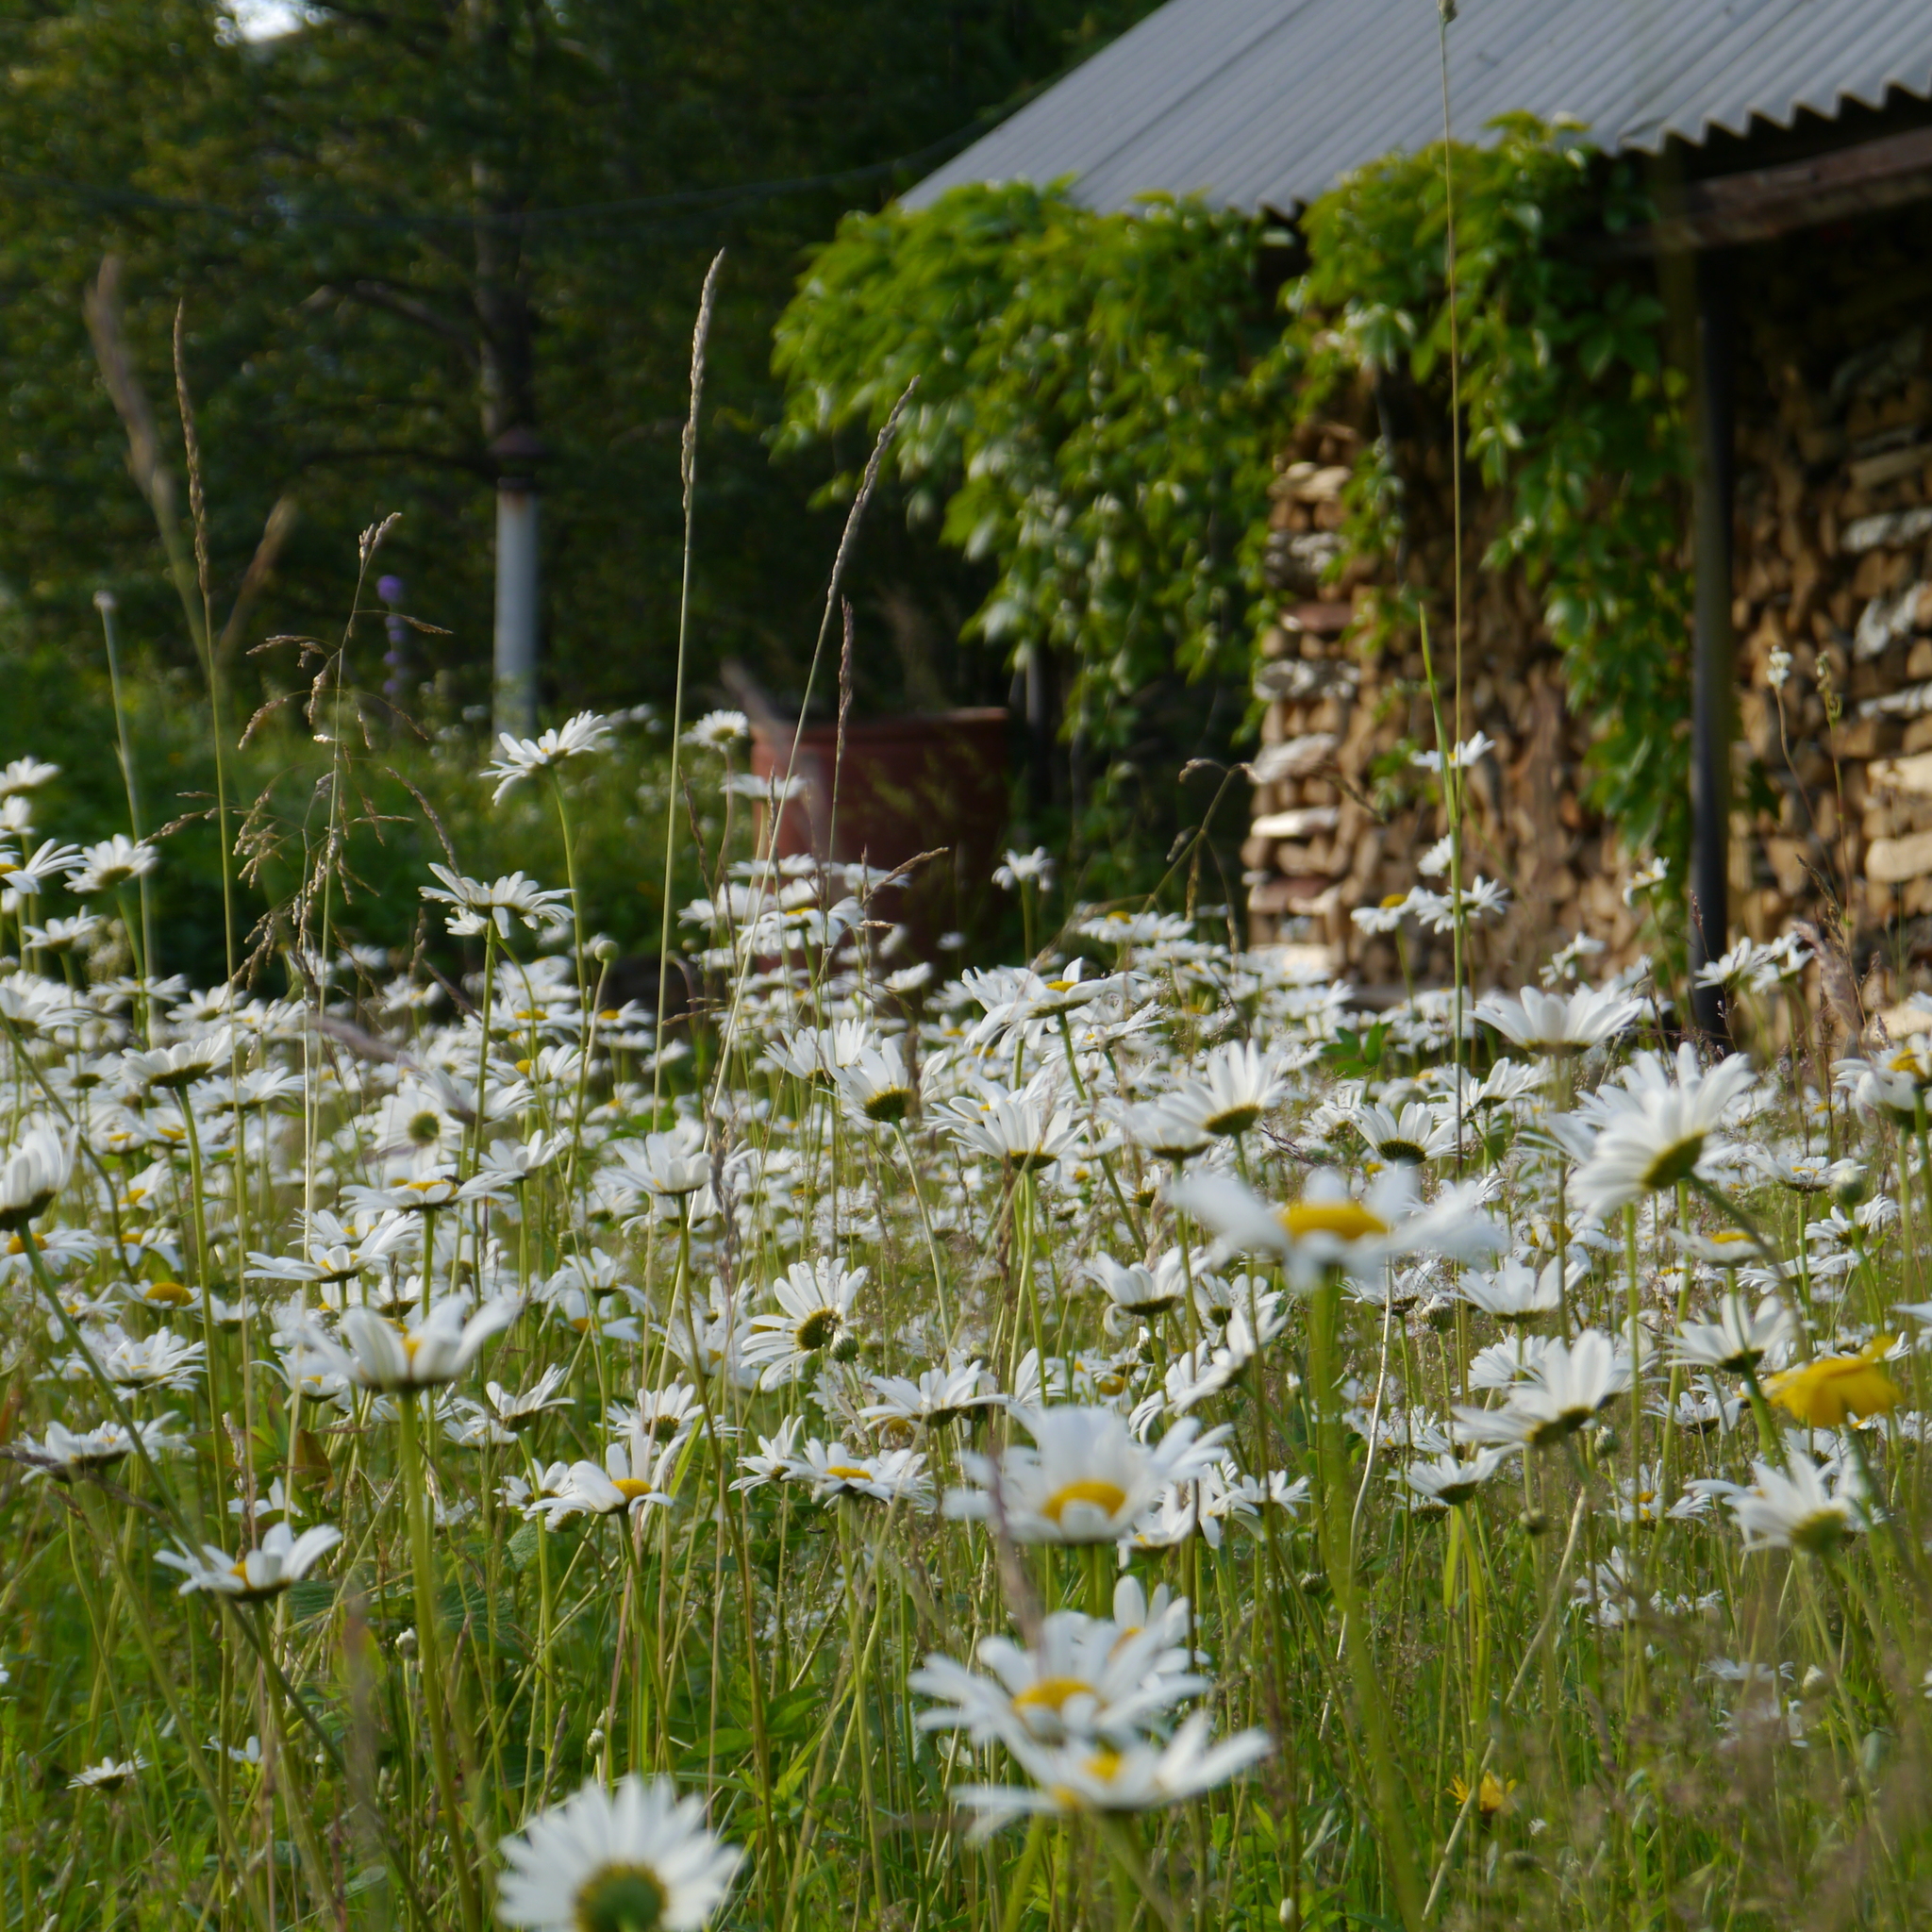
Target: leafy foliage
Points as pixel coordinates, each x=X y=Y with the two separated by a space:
x=1568 y=407
x=1098 y=406
x=1101 y=399
x=414 y=223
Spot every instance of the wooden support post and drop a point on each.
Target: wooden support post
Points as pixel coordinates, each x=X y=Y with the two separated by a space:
x=1713 y=665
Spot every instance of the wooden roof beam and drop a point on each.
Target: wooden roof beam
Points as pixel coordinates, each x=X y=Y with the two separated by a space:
x=1760 y=203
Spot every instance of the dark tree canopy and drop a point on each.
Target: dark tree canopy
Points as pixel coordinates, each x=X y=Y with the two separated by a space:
x=412 y=226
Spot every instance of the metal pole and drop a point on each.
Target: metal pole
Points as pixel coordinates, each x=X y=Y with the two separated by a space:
x=1038 y=731
x=1714 y=658
x=516 y=606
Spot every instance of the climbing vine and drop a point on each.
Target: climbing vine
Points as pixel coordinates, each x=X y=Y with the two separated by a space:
x=1101 y=399
x=1568 y=409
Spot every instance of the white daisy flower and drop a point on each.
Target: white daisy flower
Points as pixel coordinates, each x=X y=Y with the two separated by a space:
x=283 y=1559
x=632 y=1476
x=381 y=1355
x=1087 y=1776
x=110 y=1775
x=1450 y=1479
x=1085 y=1678
x=1560 y=1023
x=635 y=1859
x=1655 y=1131
x=815 y=1301
x=832 y=1469
x=1329 y=1227
x=1086 y=1480
x=477 y=906
x=1800 y=1507
x=523 y=757
x=718 y=731
x=938 y=1397
x=1033 y=867
x=1237 y=1085
x=1565 y=1387
x=1028 y=1129
x=1519 y=1291
x=1740 y=1337
x=39 y=1166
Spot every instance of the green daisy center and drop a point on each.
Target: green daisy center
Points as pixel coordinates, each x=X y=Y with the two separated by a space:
x=1675 y=1163
x=621 y=1898
x=817 y=1330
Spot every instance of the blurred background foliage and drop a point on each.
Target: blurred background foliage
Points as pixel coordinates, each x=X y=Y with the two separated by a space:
x=411 y=226
x=407 y=229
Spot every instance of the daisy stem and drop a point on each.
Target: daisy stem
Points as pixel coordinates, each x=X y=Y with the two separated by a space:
x=422 y=1559
x=474 y=1150
x=1022 y=1875
x=932 y=1248
x=861 y=1691
x=1768 y=1439
x=1029 y=1300
x=203 y=1282
x=1635 y=1316
x=295 y=1806
x=1123 y=1842
x=1325 y=1308
x=111 y=1394
x=197 y=1764
x=1097 y=1592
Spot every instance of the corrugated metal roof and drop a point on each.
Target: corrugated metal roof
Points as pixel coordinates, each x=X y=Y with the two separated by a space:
x=1268 y=102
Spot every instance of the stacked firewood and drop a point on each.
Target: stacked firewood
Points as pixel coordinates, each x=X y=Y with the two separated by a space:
x=1832 y=765
x=1834 y=614
x=1344 y=818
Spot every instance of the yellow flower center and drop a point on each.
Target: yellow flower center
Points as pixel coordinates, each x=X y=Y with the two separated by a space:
x=847 y=1474
x=171 y=1294
x=1104 y=1496
x=630 y=1488
x=1347 y=1221
x=1050 y=1693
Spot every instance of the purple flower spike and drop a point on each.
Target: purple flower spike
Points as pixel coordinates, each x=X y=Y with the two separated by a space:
x=390 y=589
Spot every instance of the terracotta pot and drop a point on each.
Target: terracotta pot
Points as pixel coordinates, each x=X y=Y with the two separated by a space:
x=905 y=786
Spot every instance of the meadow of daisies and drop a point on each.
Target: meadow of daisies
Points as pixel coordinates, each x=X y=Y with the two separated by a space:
x=1113 y=1440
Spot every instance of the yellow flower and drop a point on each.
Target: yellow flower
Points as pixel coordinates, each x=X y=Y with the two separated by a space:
x=1492 y=1795
x=1822 y=1393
